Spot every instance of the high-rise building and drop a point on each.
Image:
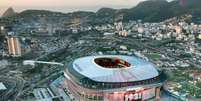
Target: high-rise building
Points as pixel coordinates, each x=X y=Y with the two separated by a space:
x=14 y=47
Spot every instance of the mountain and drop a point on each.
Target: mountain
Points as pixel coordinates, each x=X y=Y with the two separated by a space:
x=105 y=12
x=9 y=12
x=159 y=10
x=152 y=10
x=148 y=11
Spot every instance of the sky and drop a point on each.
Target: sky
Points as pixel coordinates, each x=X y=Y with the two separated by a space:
x=65 y=5
x=66 y=2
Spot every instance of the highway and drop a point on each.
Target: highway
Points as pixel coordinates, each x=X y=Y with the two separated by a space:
x=30 y=88
x=14 y=85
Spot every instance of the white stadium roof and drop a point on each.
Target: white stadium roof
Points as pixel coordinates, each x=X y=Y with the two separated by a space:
x=139 y=69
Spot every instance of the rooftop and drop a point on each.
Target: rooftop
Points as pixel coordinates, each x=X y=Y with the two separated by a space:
x=2 y=86
x=114 y=68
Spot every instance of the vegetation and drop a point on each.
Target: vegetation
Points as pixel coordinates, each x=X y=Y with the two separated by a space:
x=153 y=55
x=147 y=11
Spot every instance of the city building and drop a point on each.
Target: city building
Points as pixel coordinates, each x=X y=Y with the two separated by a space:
x=2 y=28
x=14 y=47
x=113 y=78
x=108 y=34
x=118 y=26
x=199 y=36
x=123 y=33
x=140 y=30
x=45 y=94
x=2 y=86
x=178 y=29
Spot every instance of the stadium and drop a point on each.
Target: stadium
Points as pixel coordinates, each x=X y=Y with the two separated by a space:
x=113 y=78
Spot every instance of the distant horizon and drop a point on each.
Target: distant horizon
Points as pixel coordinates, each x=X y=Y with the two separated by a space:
x=66 y=6
x=61 y=9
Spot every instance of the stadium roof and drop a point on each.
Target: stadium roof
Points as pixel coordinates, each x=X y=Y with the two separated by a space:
x=138 y=70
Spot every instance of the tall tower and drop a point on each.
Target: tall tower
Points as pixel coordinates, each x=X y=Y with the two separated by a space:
x=14 y=47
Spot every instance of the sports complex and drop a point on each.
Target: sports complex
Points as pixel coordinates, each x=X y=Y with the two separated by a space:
x=113 y=78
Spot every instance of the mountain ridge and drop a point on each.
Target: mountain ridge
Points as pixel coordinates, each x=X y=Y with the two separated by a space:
x=147 y=11
x=9 y=12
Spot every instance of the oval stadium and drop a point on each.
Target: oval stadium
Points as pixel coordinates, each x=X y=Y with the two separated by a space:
x=113 y=78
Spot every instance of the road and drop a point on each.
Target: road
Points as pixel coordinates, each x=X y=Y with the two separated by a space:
x=30 y=88
x=15 y=85
x=133 y=42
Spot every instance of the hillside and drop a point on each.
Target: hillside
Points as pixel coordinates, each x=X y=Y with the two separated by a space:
x=9 y=12
x=148 y=11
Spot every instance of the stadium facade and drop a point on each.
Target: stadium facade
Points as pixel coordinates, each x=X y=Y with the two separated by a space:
x=113 y=78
